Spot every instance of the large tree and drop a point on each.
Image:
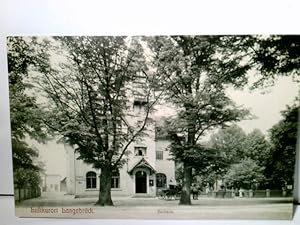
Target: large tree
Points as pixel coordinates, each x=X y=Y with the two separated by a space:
x=257 y=147
x=244 y=174
x=230 y=142
x=90 y=97
x=281 y=162
x=199 y=69
x=235 y=146
x=24 y=111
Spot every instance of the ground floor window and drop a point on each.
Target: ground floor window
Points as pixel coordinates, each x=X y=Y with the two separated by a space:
x=115 y=179
x=91 y=180
x=161 y=180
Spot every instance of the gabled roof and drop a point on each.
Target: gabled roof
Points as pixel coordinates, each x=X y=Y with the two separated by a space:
x=142 y=164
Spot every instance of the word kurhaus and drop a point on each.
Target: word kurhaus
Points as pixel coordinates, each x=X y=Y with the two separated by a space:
x=73 y=211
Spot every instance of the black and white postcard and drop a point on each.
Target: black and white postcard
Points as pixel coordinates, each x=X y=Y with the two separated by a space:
x=154 y=127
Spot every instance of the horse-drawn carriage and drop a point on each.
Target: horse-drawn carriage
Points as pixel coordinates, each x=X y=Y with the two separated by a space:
x=173 y=192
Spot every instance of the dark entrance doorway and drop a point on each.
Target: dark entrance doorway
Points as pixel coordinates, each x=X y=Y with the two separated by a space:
x=141 y=182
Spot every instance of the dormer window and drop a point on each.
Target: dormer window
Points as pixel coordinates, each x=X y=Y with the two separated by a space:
x=140 y=151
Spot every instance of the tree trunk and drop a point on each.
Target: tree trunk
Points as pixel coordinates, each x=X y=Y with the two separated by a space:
x=105 y=187
x=185 y=198
x=19 y=190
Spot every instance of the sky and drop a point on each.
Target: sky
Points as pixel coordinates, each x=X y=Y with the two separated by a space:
x=266 y=106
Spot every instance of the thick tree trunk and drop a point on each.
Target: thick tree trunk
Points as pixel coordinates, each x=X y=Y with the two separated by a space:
x=105 y=188
x=185 y=198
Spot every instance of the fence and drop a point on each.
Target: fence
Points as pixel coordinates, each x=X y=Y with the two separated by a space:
x=26 y=193
x=250 y=193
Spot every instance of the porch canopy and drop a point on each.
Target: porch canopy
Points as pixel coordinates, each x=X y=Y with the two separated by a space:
x=142 y=164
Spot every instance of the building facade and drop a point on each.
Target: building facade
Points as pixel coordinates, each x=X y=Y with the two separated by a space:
x=148 y=167
x=147 y=171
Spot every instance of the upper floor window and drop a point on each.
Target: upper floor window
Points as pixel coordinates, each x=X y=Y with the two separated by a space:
x=159 y=155
x=91 y=180
x=140 y=151
x=115 y=179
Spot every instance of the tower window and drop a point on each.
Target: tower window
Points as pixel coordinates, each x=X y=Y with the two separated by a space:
x=140 y=151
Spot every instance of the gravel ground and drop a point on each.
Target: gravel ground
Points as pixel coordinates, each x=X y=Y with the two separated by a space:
x=154 y=208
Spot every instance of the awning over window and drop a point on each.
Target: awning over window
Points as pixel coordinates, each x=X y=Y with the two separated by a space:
x=142 y=164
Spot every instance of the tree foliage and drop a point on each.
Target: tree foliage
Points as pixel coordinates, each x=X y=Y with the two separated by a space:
x=273 y=56
x=27 y=178
x=199 y=68
x=25 y=118
x=90 y=95
x=235 y=146
x=230 y=142
x=257 y=147
x=244 y=174
x=278 y=54
x=275 y=155
x=281 y=163
x=25 y=113
x=270 y=56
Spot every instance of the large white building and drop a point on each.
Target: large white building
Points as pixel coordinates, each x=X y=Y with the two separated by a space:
x=148 y=166
x=147 y=170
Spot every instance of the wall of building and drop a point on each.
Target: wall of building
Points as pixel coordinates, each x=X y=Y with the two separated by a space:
x=165 y=166
x=52 y=183
x=63 y=185
x=127 y=181
x=77 y=185
x=70 y=169
x=81 y=170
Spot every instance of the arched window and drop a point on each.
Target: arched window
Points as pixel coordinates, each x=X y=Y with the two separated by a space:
x=91 y=180
x=115 y=179
x=161 y=180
